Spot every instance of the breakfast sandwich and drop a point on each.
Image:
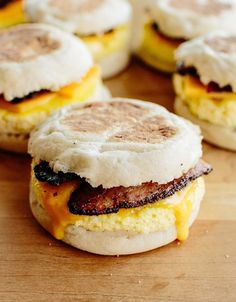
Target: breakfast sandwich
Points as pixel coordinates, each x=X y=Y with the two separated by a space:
x=104 y=25
x=205 y=84
x=172 y=22
x=116 y=177
x=41 y=69
x=11 y=13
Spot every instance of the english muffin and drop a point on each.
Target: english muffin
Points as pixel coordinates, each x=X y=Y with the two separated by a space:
x=117 y=177
x=206 y=87
x=41 y=69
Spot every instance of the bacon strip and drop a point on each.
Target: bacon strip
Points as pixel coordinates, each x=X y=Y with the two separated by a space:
x=44 y=173
x=210 y=87
x=87 y=200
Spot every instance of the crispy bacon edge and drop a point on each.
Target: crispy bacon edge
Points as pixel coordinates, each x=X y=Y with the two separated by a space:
x=90 y=201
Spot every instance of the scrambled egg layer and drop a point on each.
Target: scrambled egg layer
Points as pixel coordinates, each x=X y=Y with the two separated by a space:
x=218 y=108
x=105 y=44
x=175 y=210
x=12 y=14
x=157 y=50
x=24 y=116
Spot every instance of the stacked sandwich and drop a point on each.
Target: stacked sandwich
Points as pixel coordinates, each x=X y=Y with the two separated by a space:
x=42 y=69
x=117 y=177
x=206 y=87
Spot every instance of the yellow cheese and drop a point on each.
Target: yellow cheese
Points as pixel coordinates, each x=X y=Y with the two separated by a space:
x=157 y=50
x=154 y=217
x=12 y=14
x=105 y=44
x=218 y=108
x=54 y=199
x=192 y=87
x=50 y=101
x=182 y=212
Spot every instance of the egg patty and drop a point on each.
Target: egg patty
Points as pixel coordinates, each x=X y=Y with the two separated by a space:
x=175 y=210
x=157 y=50
x=21 y=118
x=12 y=14
x=218 y=108
x=108 y=43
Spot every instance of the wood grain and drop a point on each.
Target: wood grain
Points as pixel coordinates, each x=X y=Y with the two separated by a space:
x=35 y=267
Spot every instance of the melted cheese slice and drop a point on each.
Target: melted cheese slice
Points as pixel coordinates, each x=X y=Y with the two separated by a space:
x=191 y=87
x=103 y=45
x=12 y=14
x=54 y=200
x=182 y=212
x=159 y=216
x=51 y=101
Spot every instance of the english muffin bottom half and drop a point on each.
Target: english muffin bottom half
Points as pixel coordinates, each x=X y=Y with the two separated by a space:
x=11 y=13
x=206 y=88
x=116 y=177
x=104 y=26
x=42 y=69
x=169 y=23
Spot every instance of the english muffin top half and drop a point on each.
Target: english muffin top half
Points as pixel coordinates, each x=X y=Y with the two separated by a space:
x=118 y=143
x=36 y=56
x=82 y=17
x=189 y=19
x=213 y=56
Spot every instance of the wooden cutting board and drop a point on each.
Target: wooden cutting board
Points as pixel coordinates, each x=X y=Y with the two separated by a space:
x=35 y=267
